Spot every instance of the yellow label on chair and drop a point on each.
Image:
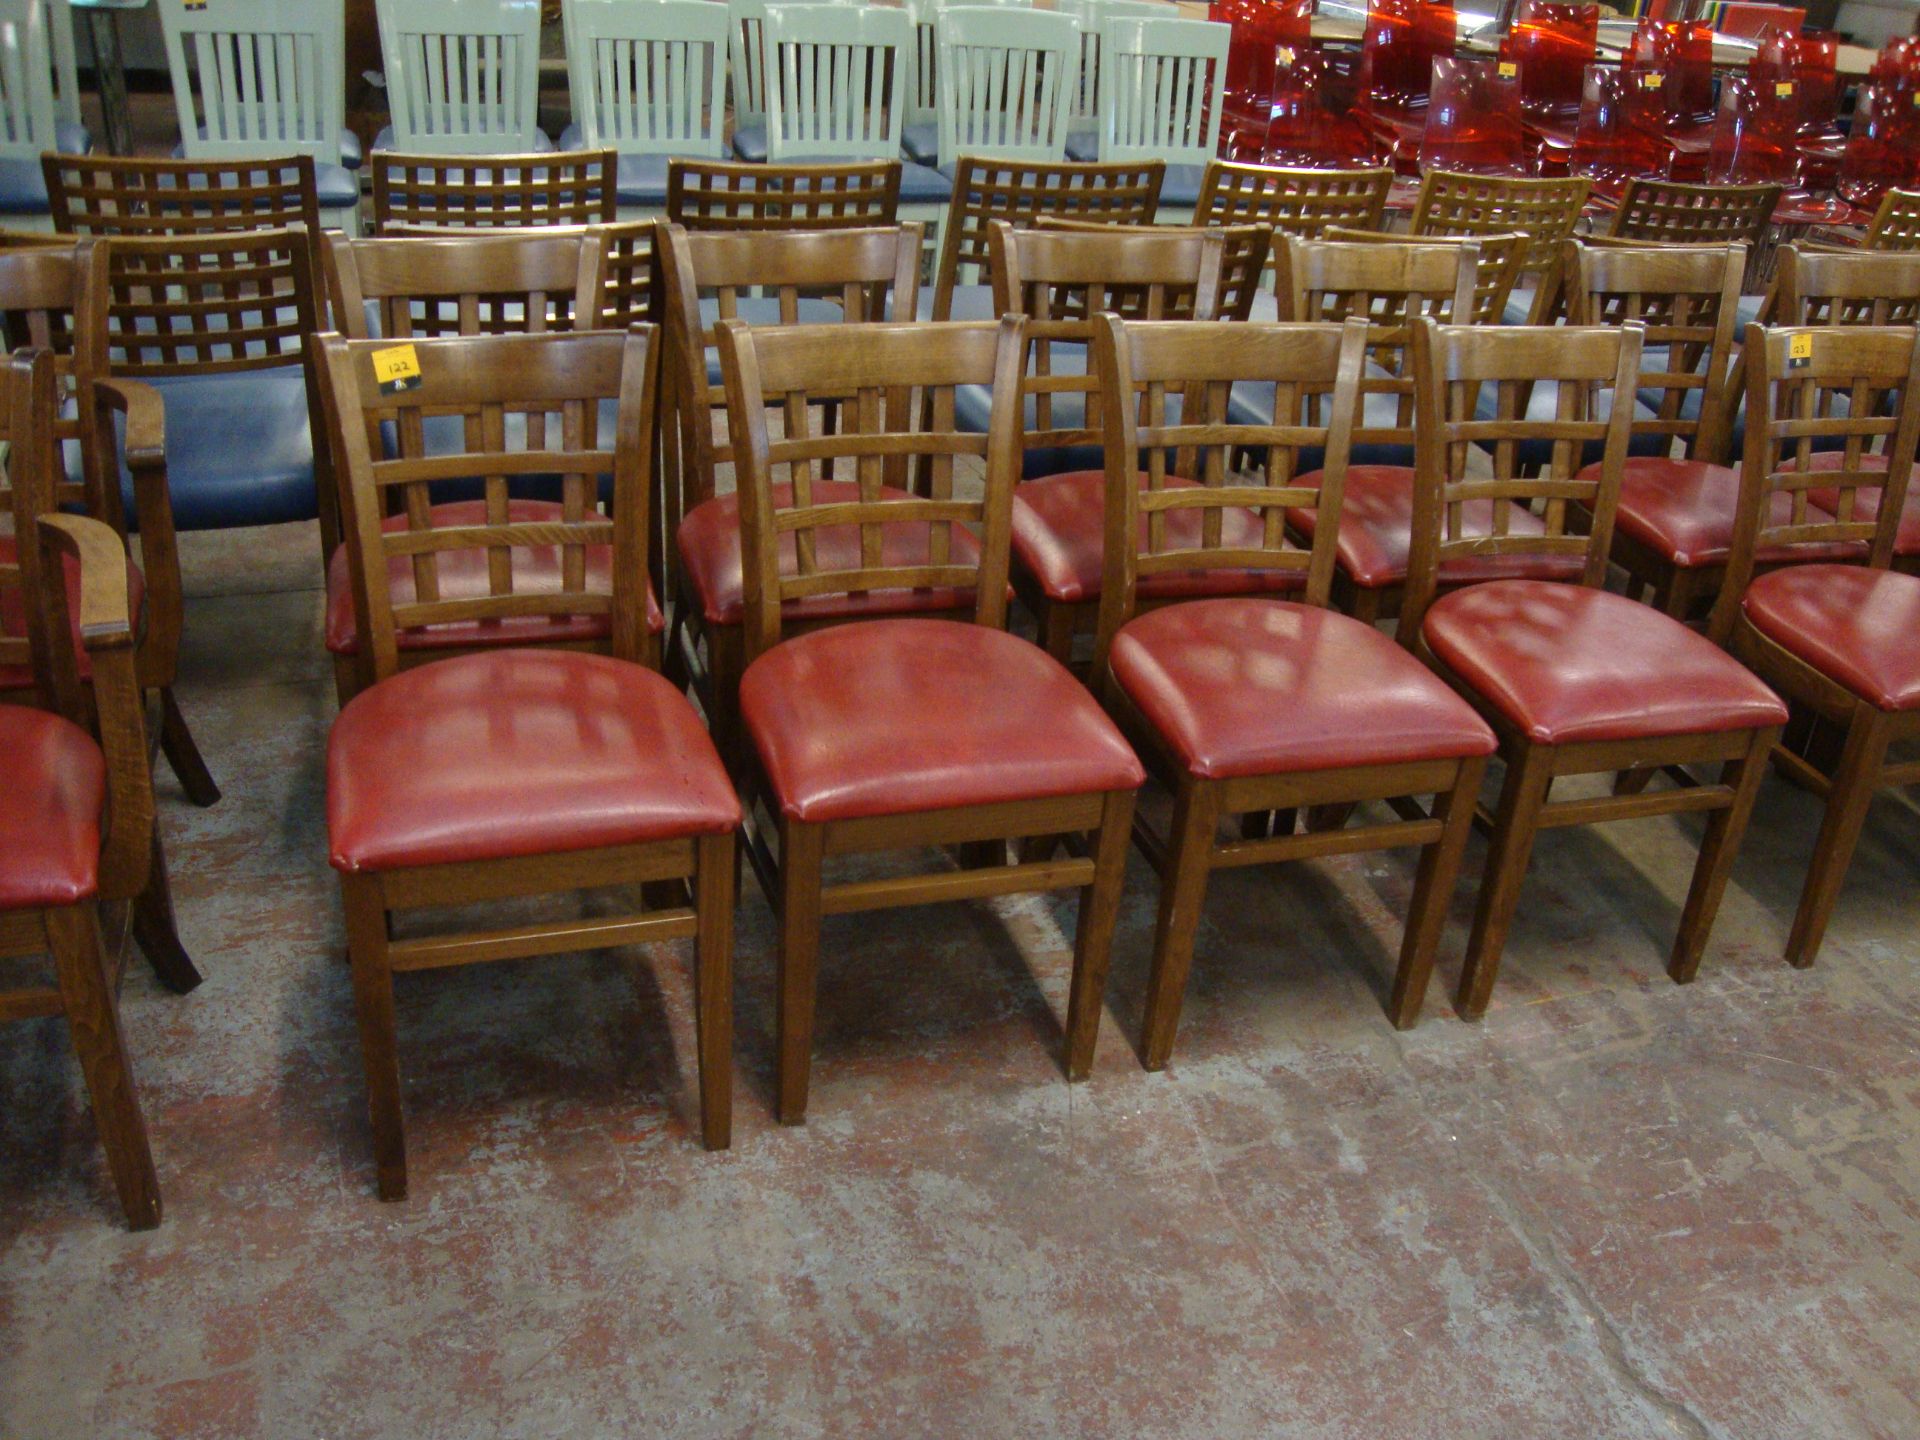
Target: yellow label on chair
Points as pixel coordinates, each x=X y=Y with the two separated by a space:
x=194 y=5
x=1285 y=56
x=1799 y=351
x=1652 y=82
x=1782 y=88
x=1508 y=69
x=396 y=369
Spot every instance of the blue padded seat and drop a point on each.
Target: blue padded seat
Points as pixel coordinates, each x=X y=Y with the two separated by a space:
x=920 y=141
x=970 y=302
x=384 y=141
x=239 y=450
x=920 y=183
x=638 y=179
x=1083 y=145
x=750 y=144
x=23 y=187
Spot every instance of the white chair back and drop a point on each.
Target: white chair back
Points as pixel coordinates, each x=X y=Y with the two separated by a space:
x=746 y=55
x=827 y=69
x=648 y=77
x=1007 y=81
x=66 y=65
x=1160 y=89
x=463 y=76
x=26 y=81
x=922 y=69
x=1092 y=15
x=255 y=80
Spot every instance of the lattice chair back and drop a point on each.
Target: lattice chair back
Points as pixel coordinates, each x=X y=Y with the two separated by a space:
x=1293 y=202
x=115 y=195
x=1007 y=83
x=727 y=195
x=1868 y=287
x=463 y=76
x=253 y=80
x=1667 y=212
x=482 y=191
x=648 y=77
x=1896 y=223
x=502 y=283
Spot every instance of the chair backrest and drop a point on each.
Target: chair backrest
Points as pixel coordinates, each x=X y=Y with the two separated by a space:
x=1824 y=287
x=1845 y=394
x=463 y=76
x=39 y=293
x=1896 y=223
x=1024 y=192
x=895 y=387
x=1390 y=287
x=835 y=81
x=1293 y=202
x=1062 y=280
x=491 y=380
x=725 y=195
x=1007 y=82
x=252 y=80
x=648 y=77
x=1685 y=297
x=1092 y=16
x=1161 y=84
x=1249 y=468
x=26 y=469
x=1671 y=213
x=1243 y=258
x=1586 y=368
x=66 y=66
x=747 y=54
x=1545 y=211
x=114 y=195
x=502 y=283
x=571 y=188
x=1501 y=260
x=26 y=81
x=922 y=67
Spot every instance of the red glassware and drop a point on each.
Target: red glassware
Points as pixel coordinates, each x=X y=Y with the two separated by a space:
x=1398 y=48
x=1317 y=118
x=1473 y=119
x=1552 y=44
x=1619 y=135
x=1807 y=63
x=1754 y=134
x=1749 y=22
x=1675 y=57
x=1883 y=147
x=1260 y=27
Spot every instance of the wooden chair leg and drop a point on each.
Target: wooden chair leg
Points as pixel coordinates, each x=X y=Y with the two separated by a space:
x=183 y=754
x=86 y=989
x=1529 y=776
x=1183 y=890
x=1433 y=887
x=1850 y=796
x=379 y=1048
x=1678 y=593
x=154 y=929
x=722 y=699
x=1093 y=936
x=713 y=987
x=1056 y=631
x=346 y=679
x=799 y=965
x=1718 y=847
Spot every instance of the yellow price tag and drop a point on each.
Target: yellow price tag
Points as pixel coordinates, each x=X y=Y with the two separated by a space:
x=1782 y=88
x=1654 y=82
x=194 y=5
x=1508 y=69
x=396 y=369
x=1799 y=350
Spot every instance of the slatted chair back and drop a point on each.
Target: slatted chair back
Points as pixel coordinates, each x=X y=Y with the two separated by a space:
x=1837 y=287
x=1061 y=281
x=491 y=191
x=1502 y=261
x=1161 y=82
x=1007 y=83
x=1896 y=223
x=26 y=81
x=1243 y=258
x=27 y=470
x=39 y=293
x=1685 y=297
x=463 y=76
x=500 y=283
x=747 y=54
x=252 y=80
x=66 y=60
x=1851 y=392
x=1092 y=17
x=510 y=389
x=1022 y=193
x=1293 y=202
x=922 y=99
x=1229 y=466
x=835 y=81
x=1388 y=287
x=1668 y=212
x=1544 y=210
x=724 y=195
x=648 y=77
x=1585 y=368
x=894 y=392
x=115 y=195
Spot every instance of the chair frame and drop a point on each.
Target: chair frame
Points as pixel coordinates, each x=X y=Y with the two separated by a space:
x=732 y=195
x=1896 y=222
x=408 y=30
x=1544 y=210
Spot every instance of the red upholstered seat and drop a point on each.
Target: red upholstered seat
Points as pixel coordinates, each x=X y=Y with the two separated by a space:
x=1857 y=626
x=1376 y=534
x=518 y=752
x=1059 y=534
x=463 y=574
x=1866 y=503
x=709 y=541
x=1568 y=664
x=13 y=620
x=1685 y=510
x=1261 y=687
x=50 y=803
x=891 y=717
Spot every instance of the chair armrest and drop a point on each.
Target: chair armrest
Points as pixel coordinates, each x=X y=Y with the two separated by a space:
x=146 y=442
x=145 y=447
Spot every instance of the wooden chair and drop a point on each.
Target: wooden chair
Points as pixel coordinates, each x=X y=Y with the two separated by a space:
x=463 y=77
x=859 y=742
x=115 y=195
x=480 y=191
x=1896 y=223
x=1545 y=211
x=1293 y=202
x=724 y=195
x=1668 y=212
x=1253 y=705
x=1243 y=257
x=1575 y=680
x=39 y=294
x=517 y=772
x=1503 y=260
x=1022 y=194
x=79 y=852
x=852 y=277
x=1391 y=285
x=1836 y=639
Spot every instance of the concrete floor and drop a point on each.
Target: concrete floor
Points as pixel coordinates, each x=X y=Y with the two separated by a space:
x=1614 y=1208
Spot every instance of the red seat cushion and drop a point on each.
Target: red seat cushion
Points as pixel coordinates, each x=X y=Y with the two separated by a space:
x=56 y=786
x=1265 y=687
x=891 y=717
x=1376 y=534
x=1568 y=664
x=13 y=619
x=1059 y=538
x=709 y=542
x=1685 y=510
x=1857 y=626
x=1866 y=503
x=518 y=752
x=463 y=575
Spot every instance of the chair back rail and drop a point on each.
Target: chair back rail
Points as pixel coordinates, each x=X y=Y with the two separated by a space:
x=1243 y=259
x=834 y=81
x=256 y=80
x=115 y=195
x=1503 y=257
x=498 y=283
x=463 y=76
x=728 y=195
x=490 y=191
x=1293 y=202
x=650 y=78
x=1896 y=222
x=1160 y=83
x=1841 y=287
